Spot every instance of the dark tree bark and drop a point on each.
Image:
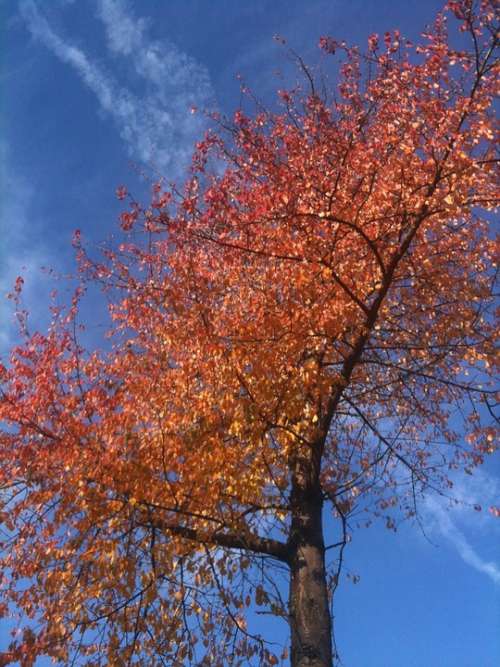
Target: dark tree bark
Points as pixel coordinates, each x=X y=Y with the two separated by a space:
x=310 y=620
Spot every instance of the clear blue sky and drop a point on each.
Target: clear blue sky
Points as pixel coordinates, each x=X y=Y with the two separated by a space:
x=89 y=87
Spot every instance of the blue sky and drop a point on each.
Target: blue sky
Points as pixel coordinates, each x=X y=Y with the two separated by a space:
x=93 y=91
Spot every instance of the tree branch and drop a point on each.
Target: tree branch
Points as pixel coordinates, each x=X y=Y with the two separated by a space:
x=246 y=542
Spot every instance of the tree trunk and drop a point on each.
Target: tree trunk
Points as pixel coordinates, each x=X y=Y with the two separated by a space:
x=310 y=621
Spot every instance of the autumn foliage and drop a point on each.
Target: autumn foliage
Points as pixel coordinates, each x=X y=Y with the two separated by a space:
x=306 y=327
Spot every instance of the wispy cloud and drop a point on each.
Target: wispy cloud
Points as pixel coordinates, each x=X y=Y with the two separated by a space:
x=17 y=256
x=155 y=124
x=453 y=523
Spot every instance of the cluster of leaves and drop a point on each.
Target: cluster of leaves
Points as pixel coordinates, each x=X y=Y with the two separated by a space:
x=321 y=304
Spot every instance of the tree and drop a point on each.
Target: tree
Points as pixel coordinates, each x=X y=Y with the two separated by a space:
x=306 y=329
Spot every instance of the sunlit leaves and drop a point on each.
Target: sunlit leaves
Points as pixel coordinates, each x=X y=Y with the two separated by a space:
x=320 y=306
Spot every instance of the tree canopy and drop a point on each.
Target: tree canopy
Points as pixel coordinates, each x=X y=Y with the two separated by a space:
x=306 y=325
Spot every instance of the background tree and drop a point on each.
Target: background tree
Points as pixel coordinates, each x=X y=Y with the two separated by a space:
x=307 y=327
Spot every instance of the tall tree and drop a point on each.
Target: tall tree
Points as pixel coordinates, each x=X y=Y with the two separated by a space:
x=307 y=328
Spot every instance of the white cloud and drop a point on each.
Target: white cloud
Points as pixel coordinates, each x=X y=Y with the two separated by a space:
x=156 y=125
x=18 y=256
x=125 y=35
x=481 y=490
